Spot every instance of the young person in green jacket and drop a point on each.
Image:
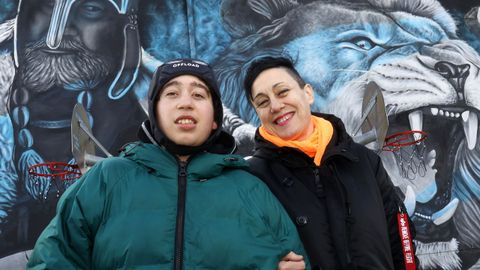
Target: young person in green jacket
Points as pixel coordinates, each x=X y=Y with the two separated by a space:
x=177 y=199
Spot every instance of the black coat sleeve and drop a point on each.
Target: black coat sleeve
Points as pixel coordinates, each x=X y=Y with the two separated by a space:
x=392 y=205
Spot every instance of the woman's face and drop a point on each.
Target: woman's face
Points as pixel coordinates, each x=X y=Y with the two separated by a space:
x=282 y=105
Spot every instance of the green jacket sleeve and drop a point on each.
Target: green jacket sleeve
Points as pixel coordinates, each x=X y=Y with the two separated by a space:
x=278 y=223
x=66 y=243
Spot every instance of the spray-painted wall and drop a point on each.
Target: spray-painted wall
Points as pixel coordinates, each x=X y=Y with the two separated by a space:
x=424 y=54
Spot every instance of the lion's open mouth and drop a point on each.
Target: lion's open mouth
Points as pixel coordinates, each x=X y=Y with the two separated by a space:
x=429 y=198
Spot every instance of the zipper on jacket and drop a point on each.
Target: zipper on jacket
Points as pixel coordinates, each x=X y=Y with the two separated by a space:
x=180 y=225
x=319 y=191
x=348 y=212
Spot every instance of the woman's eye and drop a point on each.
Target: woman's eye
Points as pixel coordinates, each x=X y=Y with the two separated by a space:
x=262 y=104
x=283 y=92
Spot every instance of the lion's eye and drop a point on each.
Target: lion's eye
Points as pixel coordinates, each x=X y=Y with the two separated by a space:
x=363 y=43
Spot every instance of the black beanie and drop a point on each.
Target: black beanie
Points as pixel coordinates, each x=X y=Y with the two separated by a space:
x=165 y=73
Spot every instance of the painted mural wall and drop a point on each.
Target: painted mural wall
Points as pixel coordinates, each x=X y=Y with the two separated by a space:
x=424 y=54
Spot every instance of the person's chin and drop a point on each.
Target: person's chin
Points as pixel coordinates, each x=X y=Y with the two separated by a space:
x=285 y=136
x=290 y=135
x=186 y=142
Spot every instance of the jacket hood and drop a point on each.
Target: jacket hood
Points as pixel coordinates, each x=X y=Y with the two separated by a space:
x=340 y=144
x=157 y=158
x=163 y=75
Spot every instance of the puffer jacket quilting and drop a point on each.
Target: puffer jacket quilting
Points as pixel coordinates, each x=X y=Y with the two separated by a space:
x=122 y=215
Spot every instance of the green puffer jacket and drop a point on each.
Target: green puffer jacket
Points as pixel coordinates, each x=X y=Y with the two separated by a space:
x=127 y=211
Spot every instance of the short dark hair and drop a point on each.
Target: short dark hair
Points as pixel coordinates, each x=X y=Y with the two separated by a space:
x=261 y=64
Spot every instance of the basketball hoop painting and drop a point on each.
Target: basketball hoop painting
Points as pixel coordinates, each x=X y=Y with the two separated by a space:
x=59 y=174
x=408 y=147
x=374 y=121
x=82 y=140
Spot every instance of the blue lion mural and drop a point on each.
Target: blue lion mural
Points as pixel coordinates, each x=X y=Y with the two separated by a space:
x=429 y=79
x=422 y=53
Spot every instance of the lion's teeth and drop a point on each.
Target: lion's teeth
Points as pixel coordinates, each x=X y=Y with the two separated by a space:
x=434 y=111
x=465 y=115
x=410 y=200
x=431 y=162
x=443 y=215
x=416 y=123
x=431 y=157
x=470 y=127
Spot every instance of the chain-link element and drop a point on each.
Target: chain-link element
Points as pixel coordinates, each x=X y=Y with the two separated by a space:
x=409 y=150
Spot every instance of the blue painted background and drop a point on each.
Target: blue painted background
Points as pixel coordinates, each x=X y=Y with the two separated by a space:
x=337 y=47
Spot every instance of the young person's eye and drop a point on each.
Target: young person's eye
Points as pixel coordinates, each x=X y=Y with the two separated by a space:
x=198 y=95
x=170 y=93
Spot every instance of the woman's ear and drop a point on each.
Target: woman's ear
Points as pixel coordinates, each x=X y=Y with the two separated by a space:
x=309 y=92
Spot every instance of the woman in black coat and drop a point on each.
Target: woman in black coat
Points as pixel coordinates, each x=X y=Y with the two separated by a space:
x=345 y=206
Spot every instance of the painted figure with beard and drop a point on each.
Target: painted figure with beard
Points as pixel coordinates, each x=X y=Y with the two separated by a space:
x=68 y=52
x=429 y=79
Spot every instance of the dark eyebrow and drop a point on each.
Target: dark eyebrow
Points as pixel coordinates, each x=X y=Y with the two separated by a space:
x=194 y=84
x=201 y=85
x=260 y=94
x=175 y=83
x=273 y=87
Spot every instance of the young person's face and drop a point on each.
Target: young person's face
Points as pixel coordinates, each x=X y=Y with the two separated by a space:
x=282 y=105
x=185 y=111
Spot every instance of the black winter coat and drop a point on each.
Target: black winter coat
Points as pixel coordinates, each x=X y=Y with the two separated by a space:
x=345 y=209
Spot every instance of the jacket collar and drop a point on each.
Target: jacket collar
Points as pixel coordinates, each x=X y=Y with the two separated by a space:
x=339 y=146
x=161 y=163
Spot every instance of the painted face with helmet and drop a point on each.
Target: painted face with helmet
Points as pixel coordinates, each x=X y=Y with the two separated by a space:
x=87 y=38
x=68 y=52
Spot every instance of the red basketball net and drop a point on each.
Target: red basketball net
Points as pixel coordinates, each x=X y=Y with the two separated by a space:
x=59 y=174
x=408 y=147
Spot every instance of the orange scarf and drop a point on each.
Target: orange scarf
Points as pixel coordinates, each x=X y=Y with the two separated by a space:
x=314 y=146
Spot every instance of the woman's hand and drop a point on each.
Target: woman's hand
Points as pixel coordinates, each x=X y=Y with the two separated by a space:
x=291 y=261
